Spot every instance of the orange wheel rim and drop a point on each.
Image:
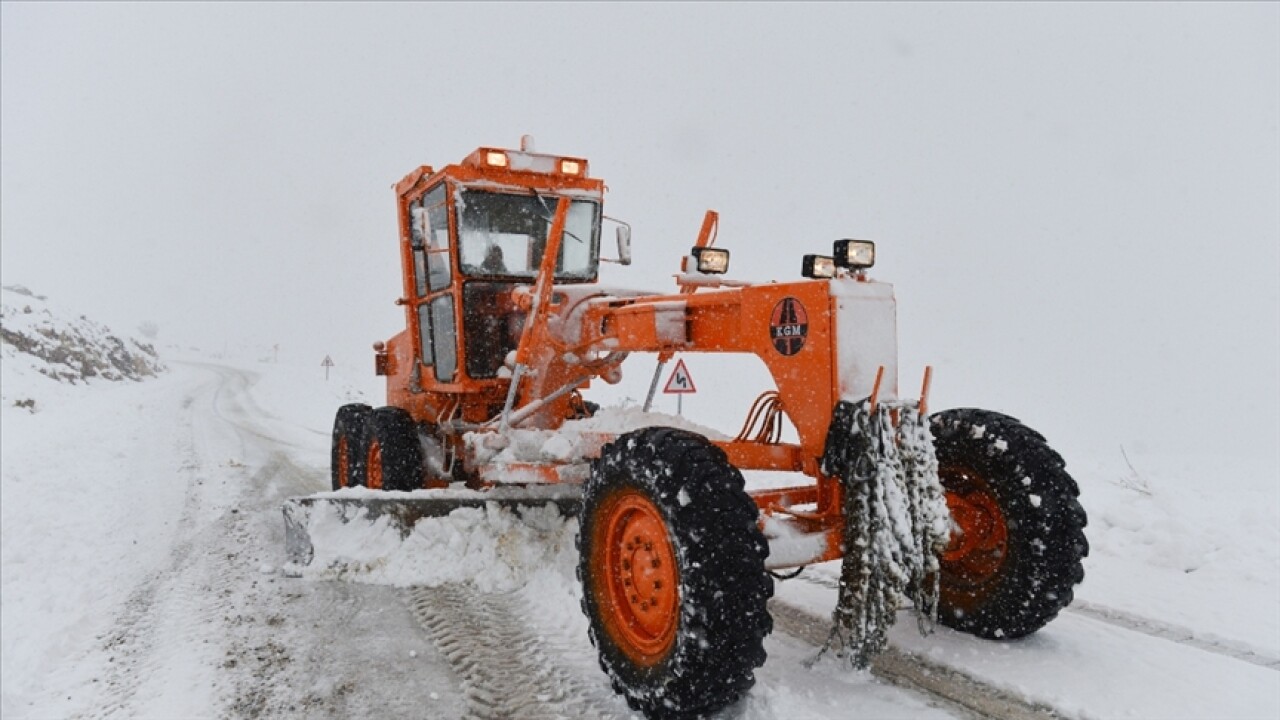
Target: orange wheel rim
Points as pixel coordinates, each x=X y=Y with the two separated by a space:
x=373 y=466
x=634 y=577
x=979 y=537
x=344 y=462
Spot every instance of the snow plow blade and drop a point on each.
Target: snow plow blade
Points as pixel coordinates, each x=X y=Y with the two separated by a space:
x=402 y=510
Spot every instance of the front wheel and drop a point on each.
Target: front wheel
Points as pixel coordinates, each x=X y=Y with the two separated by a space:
x=672 y=568
x=1017 y=534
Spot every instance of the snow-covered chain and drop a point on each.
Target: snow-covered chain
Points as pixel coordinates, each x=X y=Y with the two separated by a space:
x=896 y=523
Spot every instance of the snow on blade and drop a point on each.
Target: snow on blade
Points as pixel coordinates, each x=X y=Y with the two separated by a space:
x=494 y=547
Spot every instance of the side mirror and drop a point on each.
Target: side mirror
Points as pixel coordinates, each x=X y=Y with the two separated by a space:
x=624 y=244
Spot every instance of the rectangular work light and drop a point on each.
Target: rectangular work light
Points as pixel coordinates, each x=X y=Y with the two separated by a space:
x=855 y=254
x=712 y=261
x=818 y=266
x=495 y=158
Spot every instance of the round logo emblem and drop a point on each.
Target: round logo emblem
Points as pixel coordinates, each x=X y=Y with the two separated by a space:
x=788 y=326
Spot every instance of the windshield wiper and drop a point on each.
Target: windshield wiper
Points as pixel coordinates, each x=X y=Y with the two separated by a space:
x=548 y=217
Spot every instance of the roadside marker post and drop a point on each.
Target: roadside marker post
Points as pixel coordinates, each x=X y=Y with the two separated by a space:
x=328 y=363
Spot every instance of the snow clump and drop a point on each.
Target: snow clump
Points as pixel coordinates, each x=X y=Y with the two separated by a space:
x=494 y=548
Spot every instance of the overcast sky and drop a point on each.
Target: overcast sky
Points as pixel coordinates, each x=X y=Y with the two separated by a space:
x=1079 y=203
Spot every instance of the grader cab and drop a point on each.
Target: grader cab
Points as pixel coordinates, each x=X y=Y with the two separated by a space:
x=967 y=513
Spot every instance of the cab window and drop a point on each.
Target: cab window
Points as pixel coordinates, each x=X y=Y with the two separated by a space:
x=503 y=236
x=438 y=276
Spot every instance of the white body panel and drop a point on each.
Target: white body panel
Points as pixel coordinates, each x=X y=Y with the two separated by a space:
x=866 y=326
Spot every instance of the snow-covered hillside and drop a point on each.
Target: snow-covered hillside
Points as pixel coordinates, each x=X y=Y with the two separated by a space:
x=37 y=335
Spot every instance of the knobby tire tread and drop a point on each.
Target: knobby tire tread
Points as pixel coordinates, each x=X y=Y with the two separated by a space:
x=349 y=423
x=1046 y=542
x=397 y=434
x=724 y=587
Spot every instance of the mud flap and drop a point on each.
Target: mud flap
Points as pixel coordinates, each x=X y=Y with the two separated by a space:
x=403 y=510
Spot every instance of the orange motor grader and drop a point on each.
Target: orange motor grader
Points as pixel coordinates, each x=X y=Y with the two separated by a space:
x=506 y=326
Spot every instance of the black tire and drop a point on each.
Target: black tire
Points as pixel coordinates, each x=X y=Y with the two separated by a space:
x=719 y=618
x=993 y=464
x=392 y=451
x=348 y=444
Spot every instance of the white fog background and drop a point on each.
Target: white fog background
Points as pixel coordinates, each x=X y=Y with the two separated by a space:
x=1079 y=204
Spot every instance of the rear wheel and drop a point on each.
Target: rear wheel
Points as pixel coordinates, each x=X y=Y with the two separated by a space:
x=348 y=439
x=1017 y=528
x=392 y=452
x=672 y=567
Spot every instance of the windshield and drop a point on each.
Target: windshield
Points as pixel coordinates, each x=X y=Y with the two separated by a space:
x=501 y=235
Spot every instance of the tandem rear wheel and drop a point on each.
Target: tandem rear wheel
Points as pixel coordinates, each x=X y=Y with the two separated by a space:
x=348 y=441
x=378 y=449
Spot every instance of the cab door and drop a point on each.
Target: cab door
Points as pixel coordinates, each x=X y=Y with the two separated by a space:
x=436 y=341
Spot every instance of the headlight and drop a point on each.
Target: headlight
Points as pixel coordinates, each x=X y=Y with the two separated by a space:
x=818 y=266
x=855 y=254
x=712 y=261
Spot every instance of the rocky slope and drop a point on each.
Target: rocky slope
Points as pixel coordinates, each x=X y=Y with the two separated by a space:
x=65 y=346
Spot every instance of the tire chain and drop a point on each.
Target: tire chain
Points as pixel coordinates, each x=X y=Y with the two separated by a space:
x=884 y=467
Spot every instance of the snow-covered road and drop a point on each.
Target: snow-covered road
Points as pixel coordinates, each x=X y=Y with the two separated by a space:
x=173 y=607
x=145 y=585
x=141 y=581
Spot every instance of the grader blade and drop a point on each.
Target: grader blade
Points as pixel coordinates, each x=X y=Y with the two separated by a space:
x=307 y=520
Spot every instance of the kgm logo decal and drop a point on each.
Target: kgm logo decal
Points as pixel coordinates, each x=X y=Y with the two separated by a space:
x=788 y=326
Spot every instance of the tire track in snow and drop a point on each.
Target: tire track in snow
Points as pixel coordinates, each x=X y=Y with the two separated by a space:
x=289 y=656
x=954 y=691
x=234 y=405
x=1132 y=622
x=1171 y=632
x=198 y=601
x=212 y=633
x=130 y=644
x=506 y=670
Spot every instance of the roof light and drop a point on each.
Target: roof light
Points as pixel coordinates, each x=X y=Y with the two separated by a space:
x=570 y=167
x=818 y=266
x=855 y=254
x=712 y=261
x=495 y=158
